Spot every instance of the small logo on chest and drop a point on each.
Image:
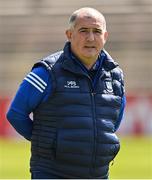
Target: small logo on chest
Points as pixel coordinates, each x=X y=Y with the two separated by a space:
x=71 y=84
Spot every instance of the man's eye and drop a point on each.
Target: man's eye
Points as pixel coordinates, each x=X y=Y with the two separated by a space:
x=98 y=31
x=83 y=30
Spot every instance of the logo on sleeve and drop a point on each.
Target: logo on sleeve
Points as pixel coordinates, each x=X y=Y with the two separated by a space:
x=71 y=84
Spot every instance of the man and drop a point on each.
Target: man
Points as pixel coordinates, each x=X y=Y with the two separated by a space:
x=77 y=99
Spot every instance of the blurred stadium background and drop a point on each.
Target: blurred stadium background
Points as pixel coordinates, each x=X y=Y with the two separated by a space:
x=32 y=29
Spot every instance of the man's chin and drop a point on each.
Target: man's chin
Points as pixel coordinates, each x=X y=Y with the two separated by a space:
x=91 y=55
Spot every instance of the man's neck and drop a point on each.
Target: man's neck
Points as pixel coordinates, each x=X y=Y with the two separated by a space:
x=89 y=65
x=87 y=62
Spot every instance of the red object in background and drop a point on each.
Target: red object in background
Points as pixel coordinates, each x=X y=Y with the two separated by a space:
x=4 y=124
x=138 y=128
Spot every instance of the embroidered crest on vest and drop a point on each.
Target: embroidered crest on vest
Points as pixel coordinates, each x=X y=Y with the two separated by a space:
x=109 y=86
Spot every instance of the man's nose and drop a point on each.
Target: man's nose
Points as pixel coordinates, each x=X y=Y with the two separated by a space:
x=90 y=36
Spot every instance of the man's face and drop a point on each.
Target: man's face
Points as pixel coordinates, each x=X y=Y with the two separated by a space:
x=87 y=38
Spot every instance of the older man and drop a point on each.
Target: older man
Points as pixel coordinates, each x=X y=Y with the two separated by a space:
x=77 y=99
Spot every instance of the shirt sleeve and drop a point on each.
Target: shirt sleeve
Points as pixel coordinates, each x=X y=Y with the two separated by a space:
x=34 y=89
x=121 y=113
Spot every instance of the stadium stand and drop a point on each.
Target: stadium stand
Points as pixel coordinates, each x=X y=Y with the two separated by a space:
x=32 y=29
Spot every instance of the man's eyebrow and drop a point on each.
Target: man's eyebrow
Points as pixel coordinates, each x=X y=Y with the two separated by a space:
x=98 y=29
x=85 y=28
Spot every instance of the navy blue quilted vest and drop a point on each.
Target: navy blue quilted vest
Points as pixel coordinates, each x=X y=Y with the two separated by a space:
x=74 y=131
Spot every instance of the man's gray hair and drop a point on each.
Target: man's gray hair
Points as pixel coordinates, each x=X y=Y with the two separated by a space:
x=90 y=12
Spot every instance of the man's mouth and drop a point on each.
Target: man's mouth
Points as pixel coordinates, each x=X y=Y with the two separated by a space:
x=90 y=47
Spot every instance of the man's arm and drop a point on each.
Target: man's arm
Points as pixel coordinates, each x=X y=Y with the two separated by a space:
x=121 y=113
x=33 y=90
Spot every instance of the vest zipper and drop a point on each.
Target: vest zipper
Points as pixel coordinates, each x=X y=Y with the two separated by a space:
x=94 y=124
x=95 y=130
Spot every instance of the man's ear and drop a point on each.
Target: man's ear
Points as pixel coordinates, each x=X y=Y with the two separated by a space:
x=68 y=34
x=105 y=36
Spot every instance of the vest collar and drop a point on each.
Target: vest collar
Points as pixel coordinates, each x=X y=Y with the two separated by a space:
x=109 y=63
x=70 y=64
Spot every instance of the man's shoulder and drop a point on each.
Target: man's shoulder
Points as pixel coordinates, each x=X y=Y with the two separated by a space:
x=49 y=61
x=52 y=58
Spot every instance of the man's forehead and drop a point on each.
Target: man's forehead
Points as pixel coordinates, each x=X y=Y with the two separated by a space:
x=94 y=16
x=89 y=22
x=90 y=12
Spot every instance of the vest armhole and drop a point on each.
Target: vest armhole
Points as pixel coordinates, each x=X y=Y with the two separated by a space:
x=53 y=81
